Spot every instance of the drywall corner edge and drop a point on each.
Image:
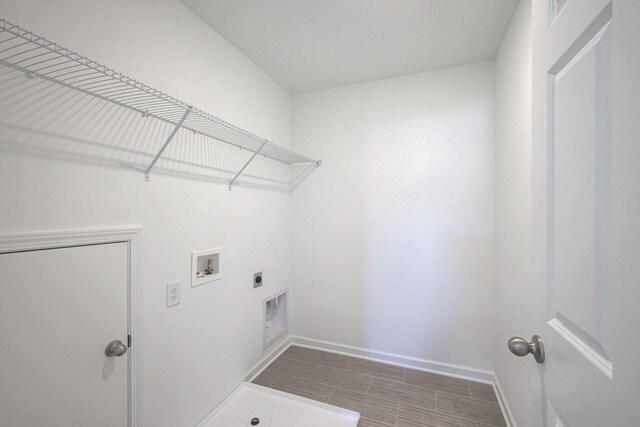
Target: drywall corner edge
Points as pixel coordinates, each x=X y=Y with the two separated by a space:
x=502 y=401
x=252 y=373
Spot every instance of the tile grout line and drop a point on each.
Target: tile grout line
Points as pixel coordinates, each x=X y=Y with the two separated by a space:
x=443 y=411
x=346 y=368
x=481 y=399
x=397 y=413
x=274 y=381
x=468 y=398
x=460 y=416
x=331 y=395
x=313 y=372
x=464 y=417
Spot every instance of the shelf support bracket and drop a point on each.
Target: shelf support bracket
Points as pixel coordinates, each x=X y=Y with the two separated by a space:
x=246 y=164
x=313 y=166
x=165 y=145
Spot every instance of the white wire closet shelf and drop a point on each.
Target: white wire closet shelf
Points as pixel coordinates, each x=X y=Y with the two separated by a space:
x=46 y=73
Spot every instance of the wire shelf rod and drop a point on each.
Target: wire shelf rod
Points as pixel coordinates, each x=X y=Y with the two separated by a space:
x=68 y=77
x=296 y=182
x=63 y=62
x=99 y=86
x=73 y=80
x=31 y=58
x=166 y=144
x=52 y=80
x=105 y=82
x=151 y=105
x=120 y=85
x=44 y=61
x=78 y=82
x=138 y=101
x=117 y=92
x=69 y=68
x=142 y=98
x=35 y=56
x=245 y=165
x=15 y=47
x=22 y=52
x=82 y=78
x=8 y=40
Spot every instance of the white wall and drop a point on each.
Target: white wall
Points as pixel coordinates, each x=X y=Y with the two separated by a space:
x=392 y=241
x=517 y=376
x=393 y=237
x=194 y=354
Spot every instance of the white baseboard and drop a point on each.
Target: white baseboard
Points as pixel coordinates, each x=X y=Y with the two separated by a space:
x=448 y=369
x=266 y=361
x=504 y=405
x=451 y=370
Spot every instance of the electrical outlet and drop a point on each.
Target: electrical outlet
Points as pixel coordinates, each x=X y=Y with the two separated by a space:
x=173 y=293
x=257 y=279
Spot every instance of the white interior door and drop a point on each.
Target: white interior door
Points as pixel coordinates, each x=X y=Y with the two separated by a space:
x=586 y=208
x=58 y=311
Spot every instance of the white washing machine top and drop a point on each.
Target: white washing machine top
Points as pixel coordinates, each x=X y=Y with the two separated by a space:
x=253 y=405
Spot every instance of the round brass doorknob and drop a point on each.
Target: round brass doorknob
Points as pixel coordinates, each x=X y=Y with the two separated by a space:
x=115 y=348
x=521 y=347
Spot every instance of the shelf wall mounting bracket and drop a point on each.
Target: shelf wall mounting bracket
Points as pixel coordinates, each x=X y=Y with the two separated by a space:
x=166 y=144
x=246 y=164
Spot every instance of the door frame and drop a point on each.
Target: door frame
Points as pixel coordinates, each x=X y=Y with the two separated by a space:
x=132 y=236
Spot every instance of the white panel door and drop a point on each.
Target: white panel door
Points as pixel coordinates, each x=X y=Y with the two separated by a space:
x=59 y=308
x=586 y=208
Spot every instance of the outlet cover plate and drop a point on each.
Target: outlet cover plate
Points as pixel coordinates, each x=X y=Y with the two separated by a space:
x=173 y=293
x=257 y=279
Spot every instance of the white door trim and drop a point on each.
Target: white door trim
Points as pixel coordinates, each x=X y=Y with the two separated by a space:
x=130 y=235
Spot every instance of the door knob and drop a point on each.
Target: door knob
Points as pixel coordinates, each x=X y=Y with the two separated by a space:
x=520 y=347
x=115 y=348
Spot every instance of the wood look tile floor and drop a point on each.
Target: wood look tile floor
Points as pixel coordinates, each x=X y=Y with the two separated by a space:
x=384 y=395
